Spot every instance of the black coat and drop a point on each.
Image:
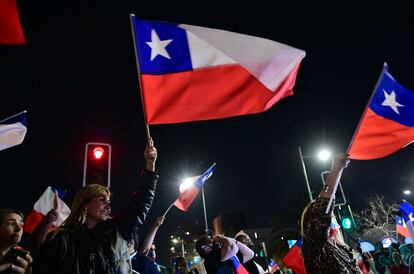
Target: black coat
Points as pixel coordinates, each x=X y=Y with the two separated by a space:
x=103 y=249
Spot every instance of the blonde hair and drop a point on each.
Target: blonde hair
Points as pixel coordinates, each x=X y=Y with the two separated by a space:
x=84 y=196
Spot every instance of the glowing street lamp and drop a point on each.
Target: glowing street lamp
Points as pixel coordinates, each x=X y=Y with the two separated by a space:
x=176 y=241
x=323 y=155
x=407 y=192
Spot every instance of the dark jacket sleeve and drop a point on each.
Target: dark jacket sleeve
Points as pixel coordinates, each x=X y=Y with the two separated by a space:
x=134 y=214
x=50 y=255
x=317 y=224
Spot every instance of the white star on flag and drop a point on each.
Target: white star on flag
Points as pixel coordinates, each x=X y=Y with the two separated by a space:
x=390 y=101
x=158 y=46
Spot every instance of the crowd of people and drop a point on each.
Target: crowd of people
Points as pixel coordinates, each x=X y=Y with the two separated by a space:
x=92 y=240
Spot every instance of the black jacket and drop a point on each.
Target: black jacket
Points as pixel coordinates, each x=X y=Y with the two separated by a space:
x=103 y=249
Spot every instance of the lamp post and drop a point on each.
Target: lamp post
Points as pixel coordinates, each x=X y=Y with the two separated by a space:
x=305 y=174
x=323 y=155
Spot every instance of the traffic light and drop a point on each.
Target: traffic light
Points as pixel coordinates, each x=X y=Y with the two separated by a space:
x=97 y=164
x=262 y=250
x=346 y=218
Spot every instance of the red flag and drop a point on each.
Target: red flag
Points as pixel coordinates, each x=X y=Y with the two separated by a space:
x=388 y=122
x=10 y=29
x=191 y=73
x=294 y=259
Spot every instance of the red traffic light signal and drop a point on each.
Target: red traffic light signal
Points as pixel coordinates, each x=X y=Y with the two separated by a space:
x=97 y=164
x=98 y=152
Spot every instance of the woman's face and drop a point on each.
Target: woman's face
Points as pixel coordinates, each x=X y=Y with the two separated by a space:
x=98 y=210
x=11 y=230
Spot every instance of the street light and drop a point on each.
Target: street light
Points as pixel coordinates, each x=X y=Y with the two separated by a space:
x=323 y=155
x=407 y=192
x=176 y=241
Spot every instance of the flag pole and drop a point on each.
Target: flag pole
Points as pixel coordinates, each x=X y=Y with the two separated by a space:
x=168 y=209
x=15 y=115
x=147 y=131
x=355 y=134
x=204 y=207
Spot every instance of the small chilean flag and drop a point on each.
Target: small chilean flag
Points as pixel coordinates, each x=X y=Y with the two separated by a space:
x=13 y=130
x=191 y=73
x=50 y=199
x=189 y=190
x=401 y=227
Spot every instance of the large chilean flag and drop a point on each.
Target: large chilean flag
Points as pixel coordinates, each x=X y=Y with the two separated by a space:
x=191 y=73
x=388 y=122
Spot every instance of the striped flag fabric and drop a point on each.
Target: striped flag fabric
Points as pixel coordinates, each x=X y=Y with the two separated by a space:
x=191 y=73
x=13 y=130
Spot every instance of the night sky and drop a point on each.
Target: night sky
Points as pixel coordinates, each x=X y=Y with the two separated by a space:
x=76 y=77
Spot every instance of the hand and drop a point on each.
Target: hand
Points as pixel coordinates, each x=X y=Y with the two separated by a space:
x=341 y=161
x=20 y=266
x=159 y=221
x=150 y=155
x=51 y=217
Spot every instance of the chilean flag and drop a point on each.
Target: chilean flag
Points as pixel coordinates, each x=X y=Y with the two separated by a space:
x=10 y=29
x=190 y=189
x=294 y=259
x=388 y=122
x=50 y=199
x=191 y=73
x=272 y=266
x=401 y=227
x=13 y=130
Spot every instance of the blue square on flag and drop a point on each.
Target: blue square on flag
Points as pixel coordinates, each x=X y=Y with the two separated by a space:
x=163 y=47
x=393 y=101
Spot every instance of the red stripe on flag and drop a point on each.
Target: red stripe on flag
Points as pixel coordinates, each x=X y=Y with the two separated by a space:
x=32 y=220
x=210 y=93
x=10 y=29
x=186 y=198
x=378 y=137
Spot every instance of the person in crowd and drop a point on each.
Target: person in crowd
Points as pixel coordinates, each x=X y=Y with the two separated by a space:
x=90 y=241
x=380 y=258
x=251 y=266
x=181 y=267
x=323 y=248
x=148 y=246
x=398 y=267
x=406 y=251
x=13 y=259
x=141 y=263
x=359 y=257
x=42 y=230
x=370 y=262
x=218 y=253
